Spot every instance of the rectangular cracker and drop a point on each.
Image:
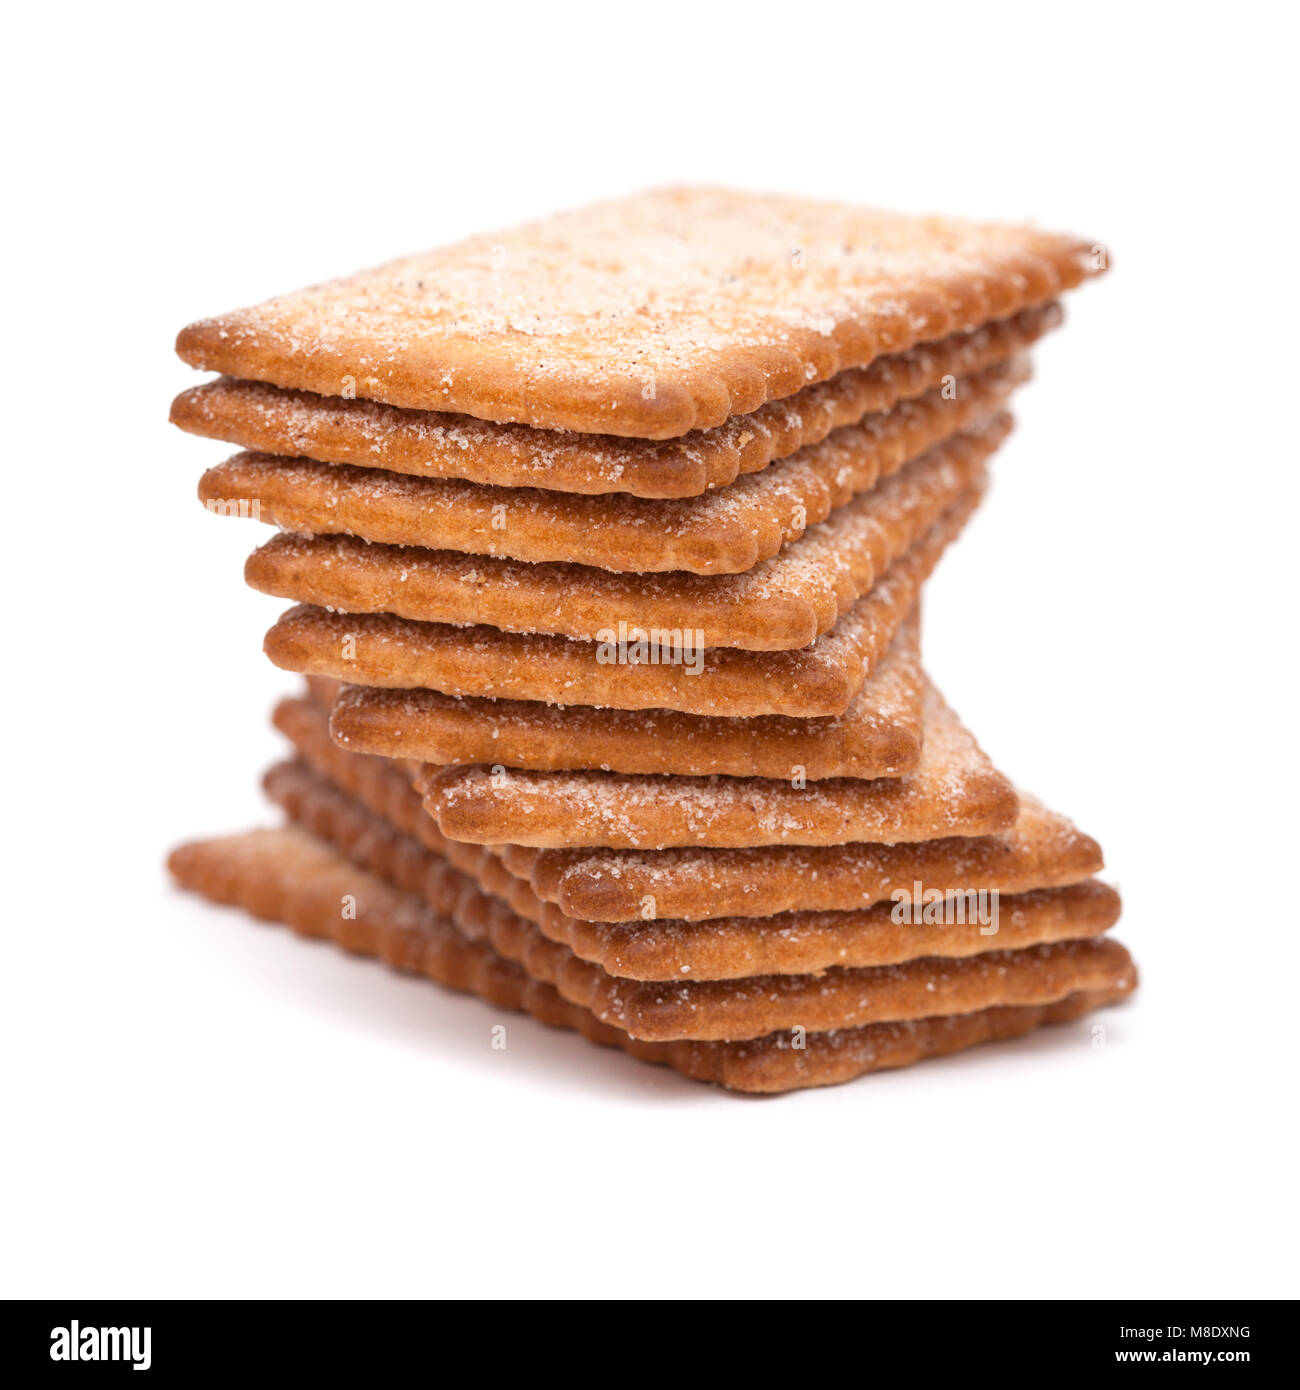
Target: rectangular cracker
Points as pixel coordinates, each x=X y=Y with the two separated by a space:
x=727 y=1010
x=334 y=429
x=878 y=736
x=727 y=531
x=955 y=790
x=287 y=876
x=781 y=604
x=806 y=942
x=650 y=315
x=788 y=943
x=737 y=1006
x=382 y=784
x=823 y=679
x=555 y=886
x=384 y=787
x=1042 y=849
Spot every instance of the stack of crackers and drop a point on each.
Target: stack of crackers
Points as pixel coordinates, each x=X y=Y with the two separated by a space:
x=605 y=538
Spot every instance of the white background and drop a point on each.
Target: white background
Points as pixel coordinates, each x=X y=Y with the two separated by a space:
x=194 y=1105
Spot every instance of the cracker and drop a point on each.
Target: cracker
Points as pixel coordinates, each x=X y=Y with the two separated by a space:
x=384 y=786
x=650 y=316
x=726 y=1010
x=878 y=736
x=781 y=604
x=789 y=943
x=732 y=1008
x=955 y=790
x=365 y=434
x=806 y=943
x=287 y=876
x=724 y=532
x=1042 y=849
x=383 y=650
x=556 y=887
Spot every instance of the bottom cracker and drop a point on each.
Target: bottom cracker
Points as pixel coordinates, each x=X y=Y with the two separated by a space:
x=285 y=875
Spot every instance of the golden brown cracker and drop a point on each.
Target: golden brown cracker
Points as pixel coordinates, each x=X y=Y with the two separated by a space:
x=379 y=783
x=878 y=736
x=725 y=1010
x=383 y=786
x=650 y=315
x=556 y=887
x=950 y=923
x=955 y=790
x=781 y=604
x=805 y=942
x=429 y=444
x=822 y=680
x=727 y=531
x=1042 y=849
x=286 y=875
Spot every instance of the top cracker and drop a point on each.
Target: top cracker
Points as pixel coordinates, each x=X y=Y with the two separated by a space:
x=648 y=316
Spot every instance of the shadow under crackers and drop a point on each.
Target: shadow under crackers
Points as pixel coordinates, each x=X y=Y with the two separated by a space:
x=419 y=1013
